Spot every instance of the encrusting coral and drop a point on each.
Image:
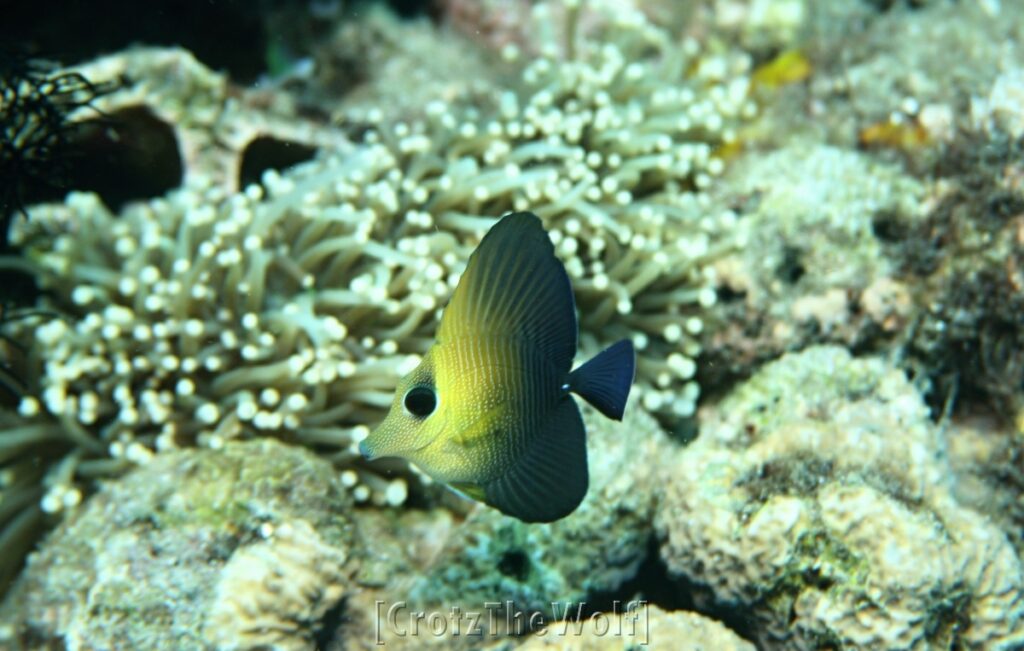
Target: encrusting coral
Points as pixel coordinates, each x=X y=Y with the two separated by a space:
x=652 y=626
x=815 y=267
x=818 y=499
x=291 y=307
x=240 y=548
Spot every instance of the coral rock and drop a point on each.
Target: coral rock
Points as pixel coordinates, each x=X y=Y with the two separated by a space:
x=682 y=631
x=817 y=499
x=246 y=547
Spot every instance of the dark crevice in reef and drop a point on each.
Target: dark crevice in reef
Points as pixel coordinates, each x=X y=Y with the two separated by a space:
x=265 y=153
x=414 y=8
x=123 y=156
x=36 y=101
x=326 y=634
x=790 y=269
x=888 y=5
x=515 y=564
x=656 y=586
x=966 y=258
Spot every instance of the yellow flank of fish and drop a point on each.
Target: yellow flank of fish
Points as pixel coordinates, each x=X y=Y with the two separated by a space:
x=788 y=67
x=905 y=135
x=488 y=410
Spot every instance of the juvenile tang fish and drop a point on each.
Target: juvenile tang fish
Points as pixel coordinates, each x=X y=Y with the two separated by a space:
x=488 y=410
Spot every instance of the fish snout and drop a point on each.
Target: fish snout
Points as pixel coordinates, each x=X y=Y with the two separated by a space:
x=364 y=450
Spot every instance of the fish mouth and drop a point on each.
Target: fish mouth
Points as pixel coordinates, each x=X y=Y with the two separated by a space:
x=364 y=450
x=380 y=442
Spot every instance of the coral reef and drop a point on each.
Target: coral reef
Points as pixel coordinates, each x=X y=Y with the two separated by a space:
x=680 y=630
x=984 y=456
x=239 y=276
x=275 y=592
x=244 y=547
x=966 y=259
x=1001 y=109
x=818 y=498
x=377 y=63
x=939 y=56
x=428 y=562
x=292 y=306
x=761 y=25
x=224 y=135
x=815 y=266
x=257 y=545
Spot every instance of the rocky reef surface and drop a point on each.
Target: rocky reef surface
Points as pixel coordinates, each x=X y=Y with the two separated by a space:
x=808 y=217
x=820 y=495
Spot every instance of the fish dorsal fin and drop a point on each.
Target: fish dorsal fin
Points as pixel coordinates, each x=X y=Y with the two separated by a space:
x=515 y=286
x=549 y=479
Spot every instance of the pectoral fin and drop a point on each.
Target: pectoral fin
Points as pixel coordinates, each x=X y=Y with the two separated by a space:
x=468 y=491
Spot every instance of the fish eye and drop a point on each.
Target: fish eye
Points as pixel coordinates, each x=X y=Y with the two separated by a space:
x=420 y=401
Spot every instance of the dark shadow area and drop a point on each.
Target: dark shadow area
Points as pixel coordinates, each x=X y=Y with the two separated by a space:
x=17 y=287
x=124 y=156
x=236 y=36
x=224 y=34
x=326 y=635
x=266 y=153
x=654 y=585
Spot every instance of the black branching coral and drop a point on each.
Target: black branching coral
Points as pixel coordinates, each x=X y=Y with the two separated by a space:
x=35 y=130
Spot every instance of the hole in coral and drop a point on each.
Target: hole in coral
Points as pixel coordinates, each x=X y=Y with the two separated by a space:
x=790 y=269
x=727 y=294
x=887 y=227
x=266 y=153
x=327 y=633
x=516 y=564
x=126 y=155
x=656 y=586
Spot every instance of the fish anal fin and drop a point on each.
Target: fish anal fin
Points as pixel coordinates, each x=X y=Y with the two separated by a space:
x=549 y=479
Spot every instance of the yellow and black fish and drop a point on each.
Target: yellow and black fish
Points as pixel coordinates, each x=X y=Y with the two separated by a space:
x=488 y=410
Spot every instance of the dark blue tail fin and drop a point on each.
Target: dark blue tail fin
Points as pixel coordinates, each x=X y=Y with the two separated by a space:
x=604 y=380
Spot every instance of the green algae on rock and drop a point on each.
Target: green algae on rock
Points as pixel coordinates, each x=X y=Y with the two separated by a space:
x=817 y=499
x=236 y=548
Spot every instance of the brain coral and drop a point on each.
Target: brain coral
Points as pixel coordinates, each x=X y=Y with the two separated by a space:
x=244 y=547
x=291 y=307
x=817 y=498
